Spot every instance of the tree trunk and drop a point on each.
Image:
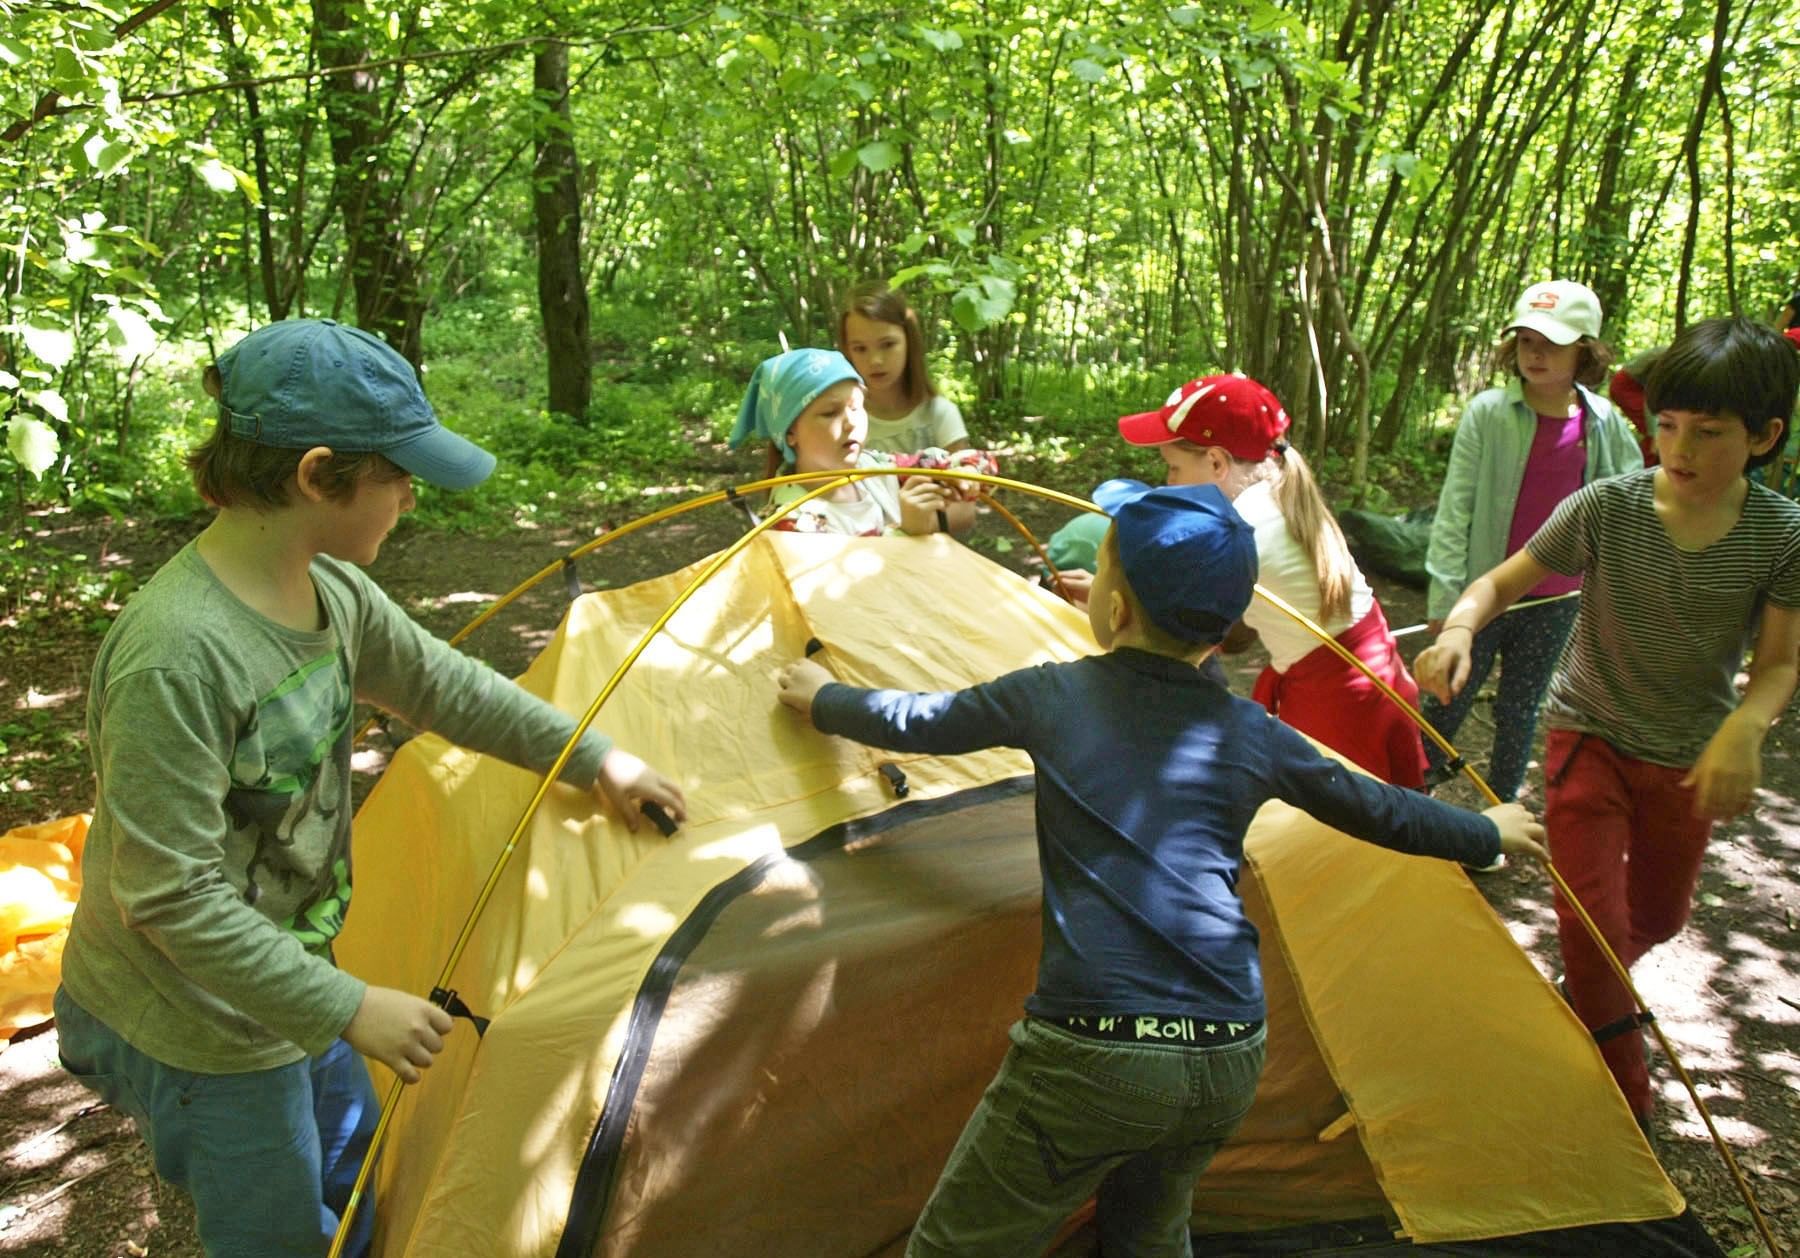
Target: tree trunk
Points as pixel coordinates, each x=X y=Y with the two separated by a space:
x=1690 y=156
x=556 y=207
x=382 y=269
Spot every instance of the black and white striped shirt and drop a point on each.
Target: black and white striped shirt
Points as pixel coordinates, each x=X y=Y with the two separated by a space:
x=1661 y=630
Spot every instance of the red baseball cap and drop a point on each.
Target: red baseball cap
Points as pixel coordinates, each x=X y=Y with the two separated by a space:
x=1233 y=412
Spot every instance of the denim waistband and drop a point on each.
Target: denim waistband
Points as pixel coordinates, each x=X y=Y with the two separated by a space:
x=1158 y=1028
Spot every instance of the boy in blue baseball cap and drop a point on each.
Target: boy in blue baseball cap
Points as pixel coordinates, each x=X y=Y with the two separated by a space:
x=198 y=989
x=1141 y=1046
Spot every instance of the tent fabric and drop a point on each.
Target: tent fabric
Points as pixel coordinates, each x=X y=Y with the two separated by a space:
x=40 y=879
x=763 y=1034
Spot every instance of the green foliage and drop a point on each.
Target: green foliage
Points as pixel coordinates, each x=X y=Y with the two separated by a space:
x=1078 y=202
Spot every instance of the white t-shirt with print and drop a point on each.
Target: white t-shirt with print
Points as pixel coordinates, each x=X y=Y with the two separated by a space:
x=875 y=512
x=934 y=422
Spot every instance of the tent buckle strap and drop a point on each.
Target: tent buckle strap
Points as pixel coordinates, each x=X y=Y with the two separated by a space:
x=896 y=779
x=453 y=1005
x=658 y=818
x=571 y=578
x=742 y=504
x=1631 y=1022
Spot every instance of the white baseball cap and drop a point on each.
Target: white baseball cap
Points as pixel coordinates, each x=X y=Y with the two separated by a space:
x=1562 y=311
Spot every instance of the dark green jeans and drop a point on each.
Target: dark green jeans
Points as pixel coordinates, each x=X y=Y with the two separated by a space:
x=1068 y=1118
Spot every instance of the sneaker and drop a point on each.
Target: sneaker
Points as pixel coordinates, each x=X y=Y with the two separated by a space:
x=1499 y=863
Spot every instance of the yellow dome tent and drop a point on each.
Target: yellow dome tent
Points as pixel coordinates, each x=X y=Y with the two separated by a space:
x=762 y=1035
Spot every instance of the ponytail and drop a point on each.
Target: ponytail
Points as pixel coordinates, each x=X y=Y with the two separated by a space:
x=1316 y=529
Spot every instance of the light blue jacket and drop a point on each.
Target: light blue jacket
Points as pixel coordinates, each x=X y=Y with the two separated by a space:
x=1487 y=466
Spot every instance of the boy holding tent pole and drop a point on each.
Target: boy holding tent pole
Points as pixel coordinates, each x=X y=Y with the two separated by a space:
x=199 y=992
x=1143 y=1042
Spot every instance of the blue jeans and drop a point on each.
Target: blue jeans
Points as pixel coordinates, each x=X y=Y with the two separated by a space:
x=269 y=1156
x=1528 y=642
x=1068 y=1118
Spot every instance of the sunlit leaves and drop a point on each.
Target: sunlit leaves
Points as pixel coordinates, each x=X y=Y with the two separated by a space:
x=983 y=303
x=130 y=331
x=32 y=443
x=53 y=347
x=879 y=156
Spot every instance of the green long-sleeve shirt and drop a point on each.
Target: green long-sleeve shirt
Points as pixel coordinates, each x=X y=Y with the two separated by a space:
x=217 y=871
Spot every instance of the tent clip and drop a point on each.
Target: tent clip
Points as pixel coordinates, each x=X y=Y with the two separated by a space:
x=571 y=578
x=453 y=1005
x=658 y=818
x=742 y=504
x=896 y=779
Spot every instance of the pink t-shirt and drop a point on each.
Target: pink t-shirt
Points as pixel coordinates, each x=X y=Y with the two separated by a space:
x=1553 y=471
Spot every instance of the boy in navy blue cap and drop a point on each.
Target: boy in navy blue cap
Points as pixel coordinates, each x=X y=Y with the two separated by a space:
x=1141 y=1048
x=198 y=990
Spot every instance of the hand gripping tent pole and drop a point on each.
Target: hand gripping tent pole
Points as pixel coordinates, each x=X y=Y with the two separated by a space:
x=823 y=483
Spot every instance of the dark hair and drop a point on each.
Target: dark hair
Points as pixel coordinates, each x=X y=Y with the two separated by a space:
x=1729 y=367
x=231 y=471
x=875 y=300
x=1590 y=369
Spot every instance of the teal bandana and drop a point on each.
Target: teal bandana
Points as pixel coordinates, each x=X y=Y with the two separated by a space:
x=781 y=388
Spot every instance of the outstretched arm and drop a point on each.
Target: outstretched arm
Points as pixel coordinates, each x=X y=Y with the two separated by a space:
x=943 y=723
x=1443 y=667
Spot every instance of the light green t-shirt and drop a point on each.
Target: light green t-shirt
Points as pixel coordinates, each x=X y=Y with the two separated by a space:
x=217 y=871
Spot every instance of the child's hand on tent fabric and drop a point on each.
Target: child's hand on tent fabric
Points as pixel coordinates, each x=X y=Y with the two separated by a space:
x=1521 y=834
x=799 y=682
x=624 y=782
x=1729 y=770
x=398 y=1029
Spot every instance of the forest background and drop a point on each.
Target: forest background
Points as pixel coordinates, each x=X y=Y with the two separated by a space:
x=586 y=223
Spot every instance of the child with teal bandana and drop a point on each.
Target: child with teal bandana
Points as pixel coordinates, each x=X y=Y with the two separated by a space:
x=809 y=405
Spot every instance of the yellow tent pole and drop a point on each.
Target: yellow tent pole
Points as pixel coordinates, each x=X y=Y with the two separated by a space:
x=392 y=1103
x=1612 y=958
x=831 y=480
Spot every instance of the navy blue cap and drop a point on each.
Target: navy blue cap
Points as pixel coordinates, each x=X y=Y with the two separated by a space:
x=1189 y=557
x=302 y=383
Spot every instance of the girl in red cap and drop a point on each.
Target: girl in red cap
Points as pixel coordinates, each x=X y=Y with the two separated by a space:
x=1230 y=431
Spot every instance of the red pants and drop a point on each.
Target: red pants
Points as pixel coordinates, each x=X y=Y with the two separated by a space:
x=1327 y=699
x=1624 y=837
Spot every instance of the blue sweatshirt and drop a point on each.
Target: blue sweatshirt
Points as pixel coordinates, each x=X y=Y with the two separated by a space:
x=1148 y=775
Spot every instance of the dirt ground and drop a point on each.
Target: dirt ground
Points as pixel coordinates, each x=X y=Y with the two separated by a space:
x=74 y=1179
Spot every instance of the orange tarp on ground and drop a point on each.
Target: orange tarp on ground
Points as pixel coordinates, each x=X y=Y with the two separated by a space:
x=40 y=877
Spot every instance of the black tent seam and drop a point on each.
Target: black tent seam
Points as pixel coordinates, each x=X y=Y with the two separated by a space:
x=600 y=1162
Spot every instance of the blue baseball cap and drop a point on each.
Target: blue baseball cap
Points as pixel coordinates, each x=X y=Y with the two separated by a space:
x=1188 y=556
x=302 y=383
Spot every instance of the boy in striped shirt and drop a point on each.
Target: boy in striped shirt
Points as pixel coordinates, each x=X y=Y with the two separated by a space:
x=1648 y=741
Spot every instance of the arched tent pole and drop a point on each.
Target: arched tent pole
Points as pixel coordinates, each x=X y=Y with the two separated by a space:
x=752 y=487
x=831 y=480
x=1612 y=959
x=392 y=1103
